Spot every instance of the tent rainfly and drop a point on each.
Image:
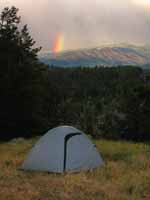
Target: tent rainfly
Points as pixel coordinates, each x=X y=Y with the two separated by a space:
x=63 y=149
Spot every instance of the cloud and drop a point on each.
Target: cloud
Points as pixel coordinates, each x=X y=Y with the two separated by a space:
x=84 y=23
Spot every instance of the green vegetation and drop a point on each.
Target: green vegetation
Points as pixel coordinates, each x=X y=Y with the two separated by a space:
x=105 y=102
x=124 y=176
x=24 y=89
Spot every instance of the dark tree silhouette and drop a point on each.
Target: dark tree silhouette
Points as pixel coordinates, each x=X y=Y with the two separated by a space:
x=25 y=90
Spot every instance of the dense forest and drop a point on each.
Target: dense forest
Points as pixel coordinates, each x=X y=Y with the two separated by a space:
x=112 y=103
x=105 y=102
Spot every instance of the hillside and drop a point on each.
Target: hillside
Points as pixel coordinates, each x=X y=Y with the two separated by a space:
x=125 y=175
x=105 y=56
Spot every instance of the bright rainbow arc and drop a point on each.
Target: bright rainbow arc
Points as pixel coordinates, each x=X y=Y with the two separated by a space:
x=58 y=44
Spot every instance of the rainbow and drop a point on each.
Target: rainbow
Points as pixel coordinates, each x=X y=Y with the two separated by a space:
x=59 y=43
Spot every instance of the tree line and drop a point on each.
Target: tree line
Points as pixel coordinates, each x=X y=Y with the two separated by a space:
x=112 y=103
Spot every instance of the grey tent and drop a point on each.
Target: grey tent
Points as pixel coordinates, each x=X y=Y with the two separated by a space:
x=63 y=149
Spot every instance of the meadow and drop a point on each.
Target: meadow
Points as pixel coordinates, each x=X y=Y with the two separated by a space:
x=125 y=175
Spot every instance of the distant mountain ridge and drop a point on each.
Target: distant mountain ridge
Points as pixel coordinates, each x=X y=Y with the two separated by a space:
x=110 y=55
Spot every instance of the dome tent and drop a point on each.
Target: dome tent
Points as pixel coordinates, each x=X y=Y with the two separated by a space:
x=63 y=149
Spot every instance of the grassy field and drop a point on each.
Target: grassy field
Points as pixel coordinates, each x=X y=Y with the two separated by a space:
x=125 y=176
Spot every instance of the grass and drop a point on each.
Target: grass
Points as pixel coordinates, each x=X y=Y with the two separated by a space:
x=125 y=176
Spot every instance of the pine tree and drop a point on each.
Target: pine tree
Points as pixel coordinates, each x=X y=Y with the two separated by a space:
x=24 y=87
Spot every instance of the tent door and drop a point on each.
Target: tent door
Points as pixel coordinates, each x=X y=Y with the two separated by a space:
x=65 y=147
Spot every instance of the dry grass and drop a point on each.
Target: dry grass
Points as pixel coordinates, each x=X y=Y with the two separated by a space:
x=125 y=176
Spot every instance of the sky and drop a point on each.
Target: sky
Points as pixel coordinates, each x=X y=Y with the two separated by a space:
x=85 y=23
